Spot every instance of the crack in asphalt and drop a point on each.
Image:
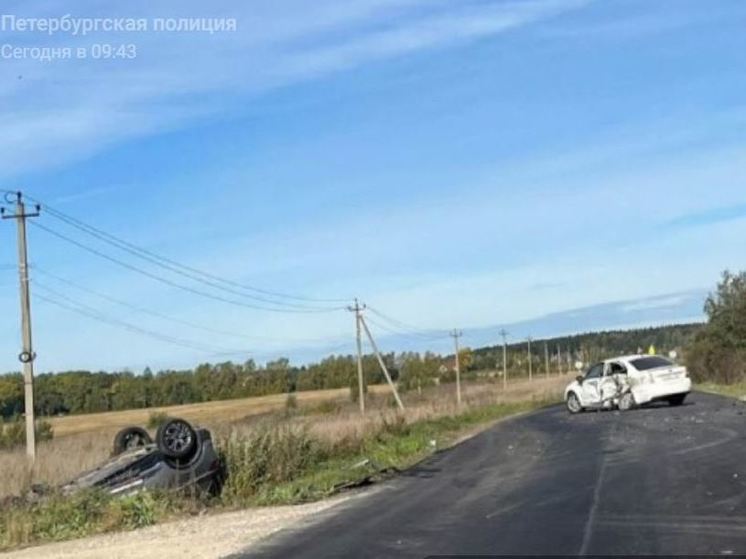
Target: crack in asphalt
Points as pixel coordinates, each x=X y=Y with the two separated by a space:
x=588 y=530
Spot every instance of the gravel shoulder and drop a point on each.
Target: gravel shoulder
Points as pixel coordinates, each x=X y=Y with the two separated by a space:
x=204 y=537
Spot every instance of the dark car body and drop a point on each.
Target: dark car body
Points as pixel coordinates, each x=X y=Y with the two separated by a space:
x=148 y=467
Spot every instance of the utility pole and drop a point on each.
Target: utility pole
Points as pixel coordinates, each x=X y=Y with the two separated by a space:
x=456 y=334
x=27 y=354
x=530 y=365
x=504 y=335
x=382 y=364
x=546 y=358
x=357 y=309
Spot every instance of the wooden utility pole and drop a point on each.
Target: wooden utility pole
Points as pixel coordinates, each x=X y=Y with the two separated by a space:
x=357 y=309
x=530 y=365
x=27 y=354
x=382 y=364
x=559 y=360
x=504 y=335
x=546 y=358
x=456 y=334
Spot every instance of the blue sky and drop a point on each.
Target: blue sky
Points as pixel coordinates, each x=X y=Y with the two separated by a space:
x=454 y=164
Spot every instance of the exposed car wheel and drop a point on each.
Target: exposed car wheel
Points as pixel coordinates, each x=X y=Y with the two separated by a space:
x=129 y=438
x=573 y=403
x=676 y=400
x=176 y=438
x=626 y=402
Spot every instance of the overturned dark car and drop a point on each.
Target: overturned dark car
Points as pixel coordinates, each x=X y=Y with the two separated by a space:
x=181 y=458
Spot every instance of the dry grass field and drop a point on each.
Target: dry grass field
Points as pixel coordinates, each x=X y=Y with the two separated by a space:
x=203 y=413
x=81 y=442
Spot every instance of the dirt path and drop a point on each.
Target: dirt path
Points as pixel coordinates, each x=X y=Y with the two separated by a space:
x=205 y=537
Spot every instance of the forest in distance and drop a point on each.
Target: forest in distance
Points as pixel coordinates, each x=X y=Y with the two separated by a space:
x=72 y=392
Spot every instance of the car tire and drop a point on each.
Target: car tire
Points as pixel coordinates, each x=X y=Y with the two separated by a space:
x=129 y=438
x=626 y=402
x=573 y=403
x=676 y=400
x=177 y=439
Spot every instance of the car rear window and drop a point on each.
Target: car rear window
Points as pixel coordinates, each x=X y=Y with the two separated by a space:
x=652 y=362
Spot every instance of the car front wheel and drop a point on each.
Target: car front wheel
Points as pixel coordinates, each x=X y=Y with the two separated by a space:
x=626 y=402
x=130 y=438
x=573 y=403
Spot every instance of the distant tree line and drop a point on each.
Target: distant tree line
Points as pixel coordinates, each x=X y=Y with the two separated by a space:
x=87 y=391
x=586 y=348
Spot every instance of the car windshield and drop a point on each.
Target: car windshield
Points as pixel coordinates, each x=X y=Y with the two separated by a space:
x=652 y=362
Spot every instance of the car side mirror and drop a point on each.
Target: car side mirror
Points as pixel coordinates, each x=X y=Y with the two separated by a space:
x=580 y=379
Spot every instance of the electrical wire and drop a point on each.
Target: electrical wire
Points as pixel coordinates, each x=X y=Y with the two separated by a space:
x=174 y=284
x=192 y=276
x=179 y=268
x=403 y=328
x=409 y=335
x=85 y=310
x=173 y=319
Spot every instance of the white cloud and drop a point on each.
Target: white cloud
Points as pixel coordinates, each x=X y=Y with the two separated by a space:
x=65 y=110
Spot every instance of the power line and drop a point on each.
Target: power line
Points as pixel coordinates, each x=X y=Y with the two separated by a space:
x=171 y=283
x=407 y=329
x=410 y=335
x=173 y=319
x=180 y=268
x=85 y=310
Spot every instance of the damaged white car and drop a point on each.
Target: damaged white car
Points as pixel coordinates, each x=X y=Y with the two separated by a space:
x=625 y=382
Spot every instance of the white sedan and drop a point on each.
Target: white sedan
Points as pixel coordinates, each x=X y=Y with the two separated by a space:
x=627 y=381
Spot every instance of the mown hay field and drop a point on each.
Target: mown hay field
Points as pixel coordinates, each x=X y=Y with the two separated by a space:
x=203 y=413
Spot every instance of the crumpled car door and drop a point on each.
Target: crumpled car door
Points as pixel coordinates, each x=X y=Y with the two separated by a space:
x=591 y=392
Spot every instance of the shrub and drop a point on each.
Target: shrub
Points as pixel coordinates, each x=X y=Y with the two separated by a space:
x=133 y=511
x=718 y=352
x=269 y=455
x=13 y=432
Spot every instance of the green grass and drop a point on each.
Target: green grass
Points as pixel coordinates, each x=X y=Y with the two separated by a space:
x=278 y=464
x=733 y=390
x=61 y=517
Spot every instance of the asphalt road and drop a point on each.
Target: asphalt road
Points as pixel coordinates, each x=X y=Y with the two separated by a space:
x=659 y=480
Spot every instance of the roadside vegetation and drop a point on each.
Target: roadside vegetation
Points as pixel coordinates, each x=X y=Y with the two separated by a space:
x=717 y=355
x=734 y=390
x=13 y=432
x=299 y=453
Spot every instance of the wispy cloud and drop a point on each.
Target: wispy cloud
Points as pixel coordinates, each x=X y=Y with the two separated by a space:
x=637 y=21
x=55 y=112
x=709 y=216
